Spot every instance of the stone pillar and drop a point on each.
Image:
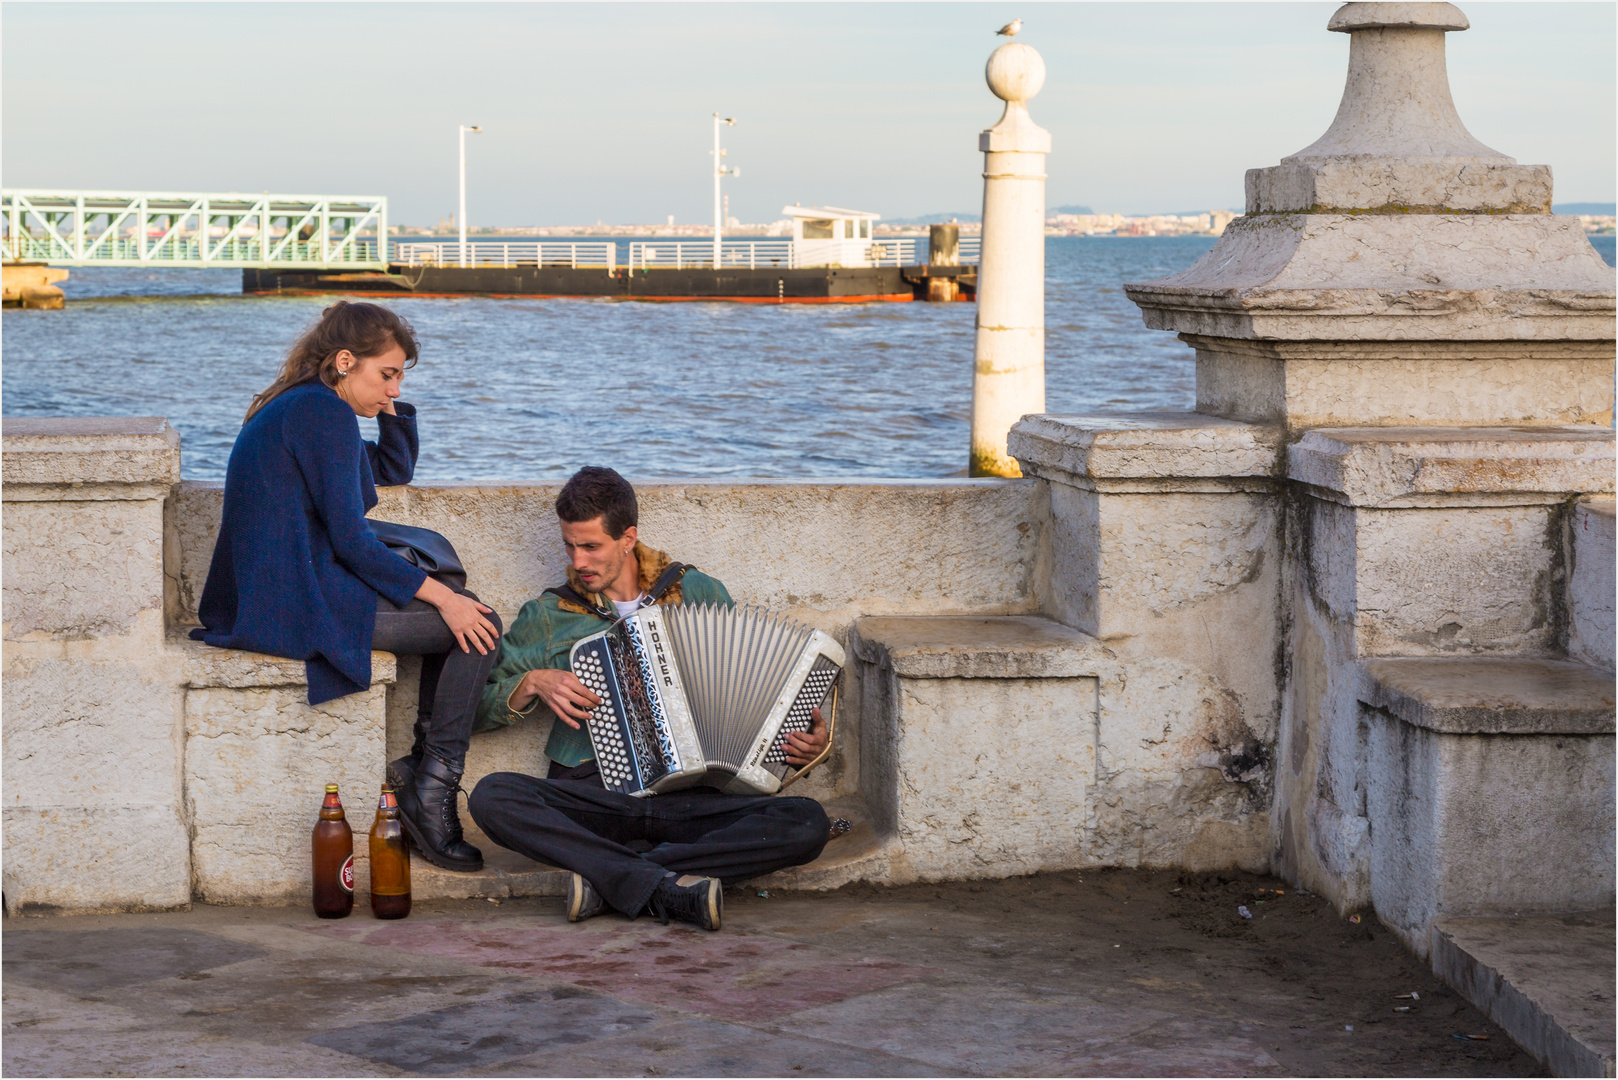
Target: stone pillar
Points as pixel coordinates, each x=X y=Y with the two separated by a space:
x=94 y=733
x=1009 y=375
x=1435 y=347
x=1394 y=498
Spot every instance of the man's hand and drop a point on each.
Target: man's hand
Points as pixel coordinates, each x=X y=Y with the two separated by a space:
x=804 y=747
x=560 y=690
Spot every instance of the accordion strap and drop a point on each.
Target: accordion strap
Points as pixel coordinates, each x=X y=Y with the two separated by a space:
x=665 y=581
x=831 y=729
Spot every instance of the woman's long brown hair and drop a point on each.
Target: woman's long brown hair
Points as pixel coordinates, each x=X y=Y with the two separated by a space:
x=365 y=330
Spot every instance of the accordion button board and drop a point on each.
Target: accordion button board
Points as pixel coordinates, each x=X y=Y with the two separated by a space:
x=702 y=694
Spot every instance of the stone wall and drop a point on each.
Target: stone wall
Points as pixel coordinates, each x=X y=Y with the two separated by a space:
x=827 y=553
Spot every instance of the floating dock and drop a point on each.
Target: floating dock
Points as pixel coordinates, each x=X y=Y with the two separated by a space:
x=760 y=285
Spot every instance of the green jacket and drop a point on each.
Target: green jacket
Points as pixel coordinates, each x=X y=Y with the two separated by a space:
x=544 y=633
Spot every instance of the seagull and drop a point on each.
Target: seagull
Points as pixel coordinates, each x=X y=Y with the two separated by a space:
x=1011 y=28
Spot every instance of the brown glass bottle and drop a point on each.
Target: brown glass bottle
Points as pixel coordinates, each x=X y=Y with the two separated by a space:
x=333 y=848
x=390 y=860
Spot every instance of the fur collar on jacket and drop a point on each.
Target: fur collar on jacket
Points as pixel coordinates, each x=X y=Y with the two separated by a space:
x=652 y=564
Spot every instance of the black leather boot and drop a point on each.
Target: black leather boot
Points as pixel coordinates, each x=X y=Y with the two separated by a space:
x=402 y=772
x=432 y=818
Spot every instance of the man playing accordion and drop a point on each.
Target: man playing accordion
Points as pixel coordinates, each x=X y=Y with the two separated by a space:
x=667 y=854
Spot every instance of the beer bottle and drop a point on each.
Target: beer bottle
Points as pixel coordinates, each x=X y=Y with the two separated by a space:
x=333 y=848
x=390 y=860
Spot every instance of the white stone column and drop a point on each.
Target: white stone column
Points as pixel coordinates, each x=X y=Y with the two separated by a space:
x=1008 y=379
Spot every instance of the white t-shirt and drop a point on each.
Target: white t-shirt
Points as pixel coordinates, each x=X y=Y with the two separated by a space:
x=628 y=607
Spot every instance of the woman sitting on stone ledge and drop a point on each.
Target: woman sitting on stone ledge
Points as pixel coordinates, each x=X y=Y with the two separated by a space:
x=297 y=571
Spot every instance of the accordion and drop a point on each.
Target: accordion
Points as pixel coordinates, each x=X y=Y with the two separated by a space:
x=702 y=694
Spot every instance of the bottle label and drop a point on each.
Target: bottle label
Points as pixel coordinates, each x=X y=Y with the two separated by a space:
x=345 y=876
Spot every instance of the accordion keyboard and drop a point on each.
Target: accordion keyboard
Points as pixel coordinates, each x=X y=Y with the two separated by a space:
x=810 y=697
x=607 y=729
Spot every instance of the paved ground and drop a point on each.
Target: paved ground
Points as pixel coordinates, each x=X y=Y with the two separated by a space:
x=1118 y=973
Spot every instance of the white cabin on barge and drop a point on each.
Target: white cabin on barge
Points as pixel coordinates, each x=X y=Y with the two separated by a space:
x=831 y=235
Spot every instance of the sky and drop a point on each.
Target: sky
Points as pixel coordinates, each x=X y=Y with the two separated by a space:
x=603 y=111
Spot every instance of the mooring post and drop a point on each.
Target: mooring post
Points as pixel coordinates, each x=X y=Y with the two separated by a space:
x=1008 y=381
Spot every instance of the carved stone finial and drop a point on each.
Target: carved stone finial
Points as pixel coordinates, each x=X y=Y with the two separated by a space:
x=1396 y=102
x=1015 y=72
x=1397 y=144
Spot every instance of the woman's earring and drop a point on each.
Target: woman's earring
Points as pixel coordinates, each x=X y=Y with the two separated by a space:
x=342 y=373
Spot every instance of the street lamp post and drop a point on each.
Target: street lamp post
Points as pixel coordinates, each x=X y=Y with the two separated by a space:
x=719 y=173
x=461 y=217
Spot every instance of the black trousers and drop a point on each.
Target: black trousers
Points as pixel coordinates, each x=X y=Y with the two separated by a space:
x=580 y=826
x=451 y=680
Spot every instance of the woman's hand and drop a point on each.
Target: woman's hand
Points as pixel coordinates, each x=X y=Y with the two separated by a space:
x=561 y=690
x=462 y=614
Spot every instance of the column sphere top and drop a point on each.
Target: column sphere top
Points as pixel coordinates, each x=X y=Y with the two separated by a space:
x=1015 y=72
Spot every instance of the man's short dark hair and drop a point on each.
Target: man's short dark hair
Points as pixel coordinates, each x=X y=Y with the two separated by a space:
x=594 y=492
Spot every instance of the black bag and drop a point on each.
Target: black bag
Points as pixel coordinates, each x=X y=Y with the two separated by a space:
x=423 y=548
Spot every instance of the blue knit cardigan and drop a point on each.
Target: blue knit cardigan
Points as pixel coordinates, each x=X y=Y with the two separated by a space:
x=296 y=571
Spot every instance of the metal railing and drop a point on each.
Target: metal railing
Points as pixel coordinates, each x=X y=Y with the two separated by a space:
x=586 y=254
x=122 y=228
x=912 y=251
x=735 y=254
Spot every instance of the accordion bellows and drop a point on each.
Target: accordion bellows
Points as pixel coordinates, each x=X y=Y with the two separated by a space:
x=702 y=694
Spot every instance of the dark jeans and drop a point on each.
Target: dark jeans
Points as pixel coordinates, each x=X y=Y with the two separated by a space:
x=451 y=680
x=580 y=826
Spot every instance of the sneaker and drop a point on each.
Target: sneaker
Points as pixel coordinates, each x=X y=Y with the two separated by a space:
x=583 y=902
x=696 y=900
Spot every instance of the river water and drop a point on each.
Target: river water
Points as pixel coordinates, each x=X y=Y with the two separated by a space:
x=524 y=390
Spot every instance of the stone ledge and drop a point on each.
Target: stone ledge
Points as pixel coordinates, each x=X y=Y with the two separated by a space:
x=84 y=453
x=201 y=666
x=977 y=647
x=1344 y=186
x=1415 y=466
x=1491 y=695
x=505 y=873
x=1148 y=451
x=1393 y=277
x=1547 y=980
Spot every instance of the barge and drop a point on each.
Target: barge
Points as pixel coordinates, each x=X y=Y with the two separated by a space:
x=831 y=258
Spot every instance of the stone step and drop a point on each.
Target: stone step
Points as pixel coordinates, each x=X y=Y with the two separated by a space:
x=504 y=873
x=1492 y=695
x=1547 y=980
x=1490 y=780
x=861 y=854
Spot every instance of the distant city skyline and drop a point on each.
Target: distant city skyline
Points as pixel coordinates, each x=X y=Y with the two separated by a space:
x=602 y=112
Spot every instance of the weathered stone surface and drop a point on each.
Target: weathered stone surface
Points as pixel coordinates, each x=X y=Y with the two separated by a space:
x=91 y=858
x=90 y=733
x=1334 y=187
x=256 y=763
x=799 y=546
x=95 y=457
x=1492 y=695
x=1591 y=558
x=1304 y=384
x=1547 y=980
x=1486 y=825
x=1455 y=580
x=1169 y=780
x=960 y=647
x=1456 y=466
x=77 y=570
x=201 y=665
x=1325 y=277
x=1158 y=451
